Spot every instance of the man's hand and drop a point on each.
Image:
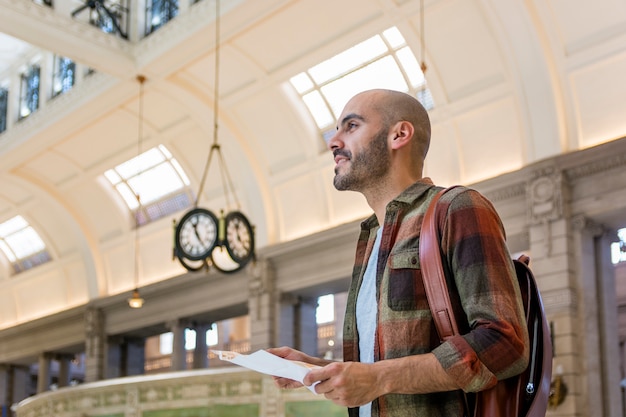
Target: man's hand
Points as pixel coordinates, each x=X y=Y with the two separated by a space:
x=293 y=355
x=349 y=384
x=352 y=384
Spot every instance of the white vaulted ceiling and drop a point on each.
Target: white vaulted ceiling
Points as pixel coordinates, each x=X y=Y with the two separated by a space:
x=513 y=82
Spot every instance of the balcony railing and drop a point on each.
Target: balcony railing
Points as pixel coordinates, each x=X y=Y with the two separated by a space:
x=163 y=363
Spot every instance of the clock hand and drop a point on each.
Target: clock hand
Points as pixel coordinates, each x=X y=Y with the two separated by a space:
x=195 y=231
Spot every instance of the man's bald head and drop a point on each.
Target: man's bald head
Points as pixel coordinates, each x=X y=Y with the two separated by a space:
x=395 y=106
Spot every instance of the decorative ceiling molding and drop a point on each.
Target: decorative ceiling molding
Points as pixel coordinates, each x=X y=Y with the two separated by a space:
x=573 y=166
x=608 y=163
x=507 y=193
x=54 y=110
x=45 y=28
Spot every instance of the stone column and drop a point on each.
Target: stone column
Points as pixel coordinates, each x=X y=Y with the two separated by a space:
x=261 y=306
x=610 y=324
x=125 y=356
x=583 y=239
x=95 y=344
x=65 y=375
x=137 y=21
x=179 y=355
x=43 y=375
x=115 y=357
x=134 y=356
x=550 y=241
x=6 y=387
x=286 y=321
x=570 y=259
x=597 y=320
x=306 y=326
x=21 y=384
x=200 y=353
x=296 y=323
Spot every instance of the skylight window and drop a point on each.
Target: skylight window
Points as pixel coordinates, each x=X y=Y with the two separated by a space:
x=153 y=184
x=382 y=61
x=22 y=245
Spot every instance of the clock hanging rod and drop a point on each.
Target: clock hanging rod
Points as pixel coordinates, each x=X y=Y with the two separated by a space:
x=227 y=183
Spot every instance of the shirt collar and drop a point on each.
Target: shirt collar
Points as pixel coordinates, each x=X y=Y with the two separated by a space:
x=406 y=197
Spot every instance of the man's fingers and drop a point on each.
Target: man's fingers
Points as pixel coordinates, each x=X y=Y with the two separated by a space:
x=319 y=374
x=286 y=383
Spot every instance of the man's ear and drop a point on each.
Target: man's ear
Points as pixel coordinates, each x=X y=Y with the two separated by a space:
x=401 y=134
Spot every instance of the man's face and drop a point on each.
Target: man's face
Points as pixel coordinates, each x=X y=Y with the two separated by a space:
x=359 y=147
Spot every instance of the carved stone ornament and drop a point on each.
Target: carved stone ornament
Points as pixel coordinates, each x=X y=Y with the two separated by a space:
x=545 y=198
x=261 y=278
x=94 y=328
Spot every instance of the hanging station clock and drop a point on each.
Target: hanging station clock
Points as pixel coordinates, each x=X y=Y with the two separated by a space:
x=196 y=234
x=202 y=240
x=239 y=237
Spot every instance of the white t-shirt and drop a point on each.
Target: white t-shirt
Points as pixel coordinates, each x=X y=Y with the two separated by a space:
x=366 y=314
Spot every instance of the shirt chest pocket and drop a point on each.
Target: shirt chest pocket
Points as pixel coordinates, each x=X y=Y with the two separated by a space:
x=406 y=286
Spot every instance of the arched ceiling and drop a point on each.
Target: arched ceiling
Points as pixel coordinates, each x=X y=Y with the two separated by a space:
x=513 y=82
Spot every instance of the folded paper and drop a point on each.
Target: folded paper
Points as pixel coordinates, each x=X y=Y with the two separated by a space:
x=264 y=362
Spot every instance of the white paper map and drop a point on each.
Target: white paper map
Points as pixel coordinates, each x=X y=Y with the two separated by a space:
x=266 y=363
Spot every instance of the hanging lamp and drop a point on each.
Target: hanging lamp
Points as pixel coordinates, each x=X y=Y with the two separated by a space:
x=136 y=301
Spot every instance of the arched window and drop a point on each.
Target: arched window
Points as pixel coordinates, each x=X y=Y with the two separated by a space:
x=4 y=107
x=382 y=61
x=64 y=75
x=325 y=312
x=618 y=249
x=166 y=339
x=157 y=180
x=159 y=12
x=29 y=91
x=22 y=245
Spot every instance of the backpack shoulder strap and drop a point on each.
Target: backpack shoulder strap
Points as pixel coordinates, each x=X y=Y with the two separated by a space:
x=433 y=275
x=538 y=375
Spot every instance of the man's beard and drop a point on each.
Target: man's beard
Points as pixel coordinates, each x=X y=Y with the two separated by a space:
x=365 y=167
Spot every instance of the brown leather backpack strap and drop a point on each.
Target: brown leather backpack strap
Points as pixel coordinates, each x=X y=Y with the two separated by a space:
x=433 y=274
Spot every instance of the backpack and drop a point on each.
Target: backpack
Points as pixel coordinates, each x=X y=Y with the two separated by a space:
x=523 y=395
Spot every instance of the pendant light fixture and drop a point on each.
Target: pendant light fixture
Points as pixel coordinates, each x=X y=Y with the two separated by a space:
x=136 y=301
x=423 y=66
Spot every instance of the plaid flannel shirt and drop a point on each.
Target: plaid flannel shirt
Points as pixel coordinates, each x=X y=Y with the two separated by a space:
x=475 y=255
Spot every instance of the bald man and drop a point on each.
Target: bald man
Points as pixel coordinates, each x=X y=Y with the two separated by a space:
x=394 y=364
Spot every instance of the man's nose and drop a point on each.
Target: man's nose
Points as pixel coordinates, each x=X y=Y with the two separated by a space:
x=334 y=142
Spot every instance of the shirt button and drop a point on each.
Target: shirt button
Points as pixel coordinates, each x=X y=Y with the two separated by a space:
x=414 y=260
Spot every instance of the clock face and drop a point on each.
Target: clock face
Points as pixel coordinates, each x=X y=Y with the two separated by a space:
x=239 y=237
x=196 y=234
